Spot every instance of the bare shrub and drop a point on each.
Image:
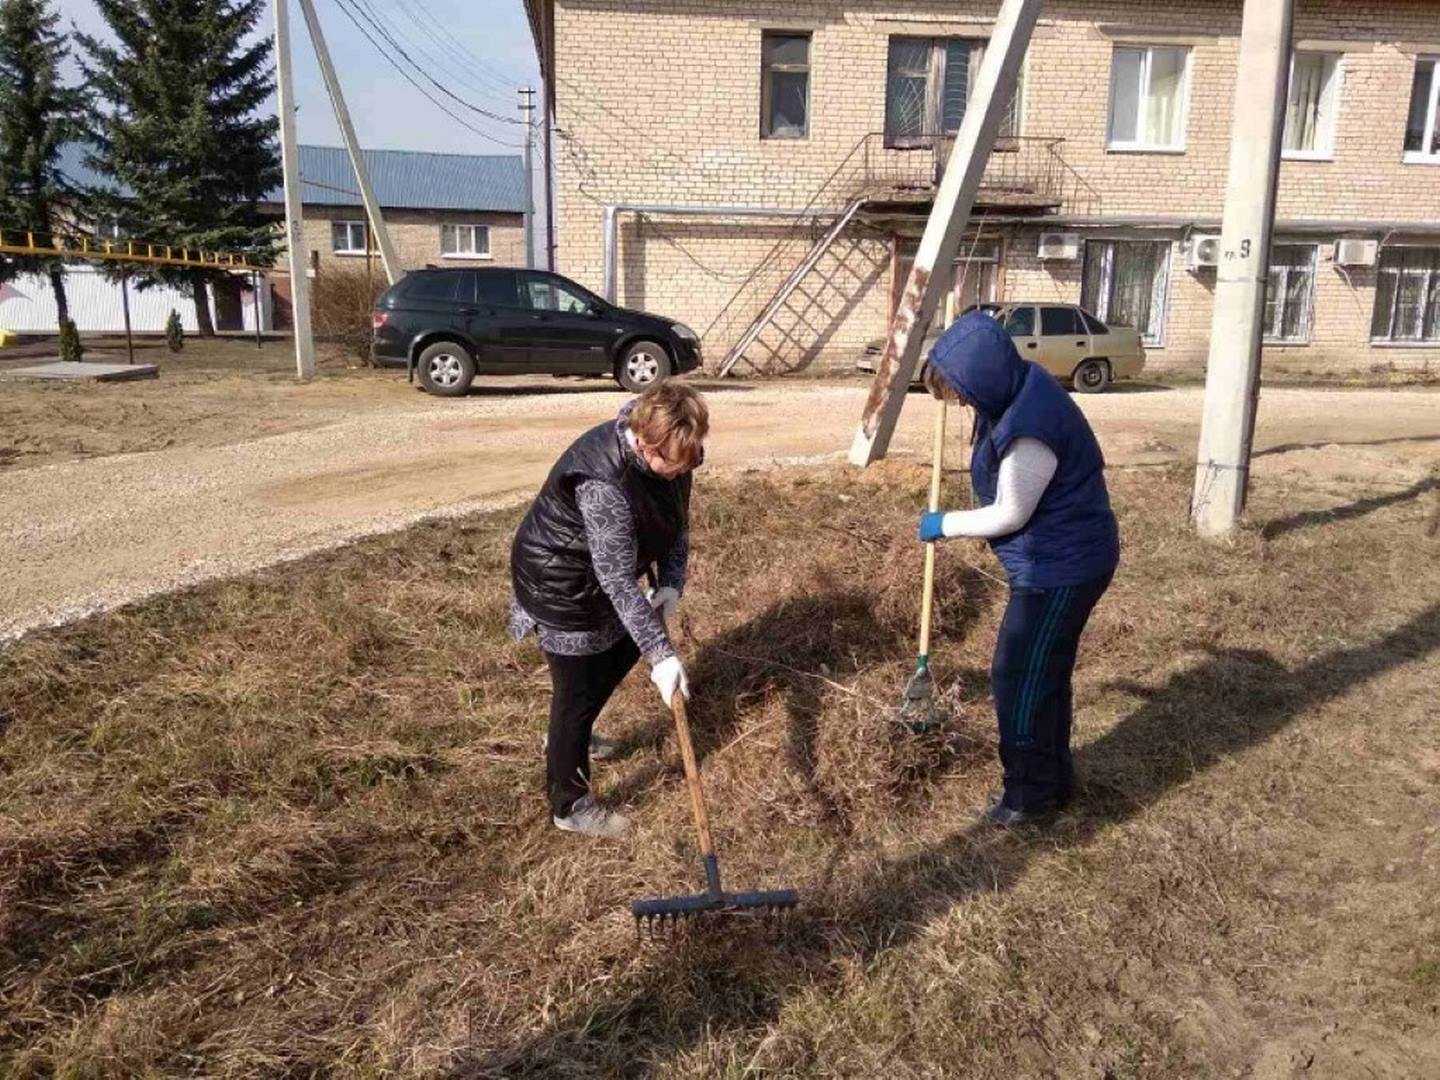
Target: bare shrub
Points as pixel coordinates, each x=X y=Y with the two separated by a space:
x=342 y=300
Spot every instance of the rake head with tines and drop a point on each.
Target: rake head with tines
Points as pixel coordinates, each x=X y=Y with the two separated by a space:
x=918 y=711
x=672 y=912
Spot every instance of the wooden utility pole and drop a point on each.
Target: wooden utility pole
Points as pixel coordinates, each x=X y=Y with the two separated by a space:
x=1232 y=376
x=388 y=257
x=294 y=222
x=935 y=260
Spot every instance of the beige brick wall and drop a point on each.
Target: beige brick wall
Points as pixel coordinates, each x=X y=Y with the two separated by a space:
x=416 y=236
x=688 y=132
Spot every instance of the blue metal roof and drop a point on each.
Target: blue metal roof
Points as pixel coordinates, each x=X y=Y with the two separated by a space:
x=414 y=180
x=403 y=179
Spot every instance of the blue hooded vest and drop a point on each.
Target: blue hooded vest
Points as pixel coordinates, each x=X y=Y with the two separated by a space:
x=1072 y=537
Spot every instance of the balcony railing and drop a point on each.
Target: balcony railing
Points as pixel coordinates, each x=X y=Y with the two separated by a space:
x=1024 y=173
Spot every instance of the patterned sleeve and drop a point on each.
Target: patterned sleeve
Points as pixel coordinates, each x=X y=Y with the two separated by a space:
x=673 y=565
x=614 y=550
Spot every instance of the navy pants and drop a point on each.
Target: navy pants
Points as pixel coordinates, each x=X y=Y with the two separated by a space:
x=1030 y=677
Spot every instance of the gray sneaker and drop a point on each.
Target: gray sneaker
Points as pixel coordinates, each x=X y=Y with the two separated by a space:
x=590 y=818
x=601 y=748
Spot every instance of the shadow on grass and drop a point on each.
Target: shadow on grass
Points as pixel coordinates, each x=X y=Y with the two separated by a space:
x=780 y=652
x=1359 y=508
x=1290 y=448
x=1232 y=700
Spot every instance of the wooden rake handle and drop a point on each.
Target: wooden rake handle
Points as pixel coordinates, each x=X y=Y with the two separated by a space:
x=927 y=598
x=692 y=774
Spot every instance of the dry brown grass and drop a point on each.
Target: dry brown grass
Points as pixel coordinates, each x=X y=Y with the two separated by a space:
x=292 y=823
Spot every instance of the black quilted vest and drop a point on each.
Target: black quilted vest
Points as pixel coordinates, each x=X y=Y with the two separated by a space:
x=550 y=564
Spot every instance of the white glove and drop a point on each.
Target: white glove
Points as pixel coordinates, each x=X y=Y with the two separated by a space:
x=664 y=600
x=668 y=676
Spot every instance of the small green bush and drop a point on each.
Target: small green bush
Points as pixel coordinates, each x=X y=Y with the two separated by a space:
x=174 y=332
x=70 y=347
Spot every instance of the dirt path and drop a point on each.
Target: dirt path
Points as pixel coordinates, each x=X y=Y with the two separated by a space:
x=82 y=536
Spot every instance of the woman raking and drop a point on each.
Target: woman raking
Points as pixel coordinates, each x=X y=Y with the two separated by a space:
x=1038 y=474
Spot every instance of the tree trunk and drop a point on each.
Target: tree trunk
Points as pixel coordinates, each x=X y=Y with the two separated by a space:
x=204 y=327
x=57 y=282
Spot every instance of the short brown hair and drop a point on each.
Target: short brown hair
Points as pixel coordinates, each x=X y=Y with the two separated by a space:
x=674 y=419
x=938 y=385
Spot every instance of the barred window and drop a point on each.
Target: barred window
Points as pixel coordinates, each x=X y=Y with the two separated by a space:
x=1407 y=295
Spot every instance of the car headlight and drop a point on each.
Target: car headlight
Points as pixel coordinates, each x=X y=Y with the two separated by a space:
x=683 y=332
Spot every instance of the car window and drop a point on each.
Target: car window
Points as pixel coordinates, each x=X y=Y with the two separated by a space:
x=1095 y=325
x=497 y=288
x=432 y=287
x=1060 y=321
x=1020 y=322
x=548 y=294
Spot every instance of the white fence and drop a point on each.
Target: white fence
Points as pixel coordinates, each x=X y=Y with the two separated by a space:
x=27 y=304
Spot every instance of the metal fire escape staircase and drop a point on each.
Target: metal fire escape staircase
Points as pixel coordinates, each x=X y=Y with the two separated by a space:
x=789 y=285
x=1024 y=176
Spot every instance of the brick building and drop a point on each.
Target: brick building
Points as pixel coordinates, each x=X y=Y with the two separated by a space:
x=698 y=186
x=439 y=208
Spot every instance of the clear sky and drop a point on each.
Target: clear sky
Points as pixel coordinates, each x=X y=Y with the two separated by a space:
x=479 y=50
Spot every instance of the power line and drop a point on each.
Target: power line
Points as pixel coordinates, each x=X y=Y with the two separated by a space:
x=351 y=15
x=362 y=8
x=471 y=64
x=441 y=52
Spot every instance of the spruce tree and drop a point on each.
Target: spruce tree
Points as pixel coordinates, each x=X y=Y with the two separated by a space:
x=179 y=133
x=39 y=114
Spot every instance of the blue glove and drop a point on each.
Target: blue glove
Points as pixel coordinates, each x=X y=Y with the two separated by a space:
x=931 y=527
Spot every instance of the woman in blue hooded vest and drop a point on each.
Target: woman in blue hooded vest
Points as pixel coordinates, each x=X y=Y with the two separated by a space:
x=1039 y=477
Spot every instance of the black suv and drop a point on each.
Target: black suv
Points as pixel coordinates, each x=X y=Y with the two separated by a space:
x=449 y=325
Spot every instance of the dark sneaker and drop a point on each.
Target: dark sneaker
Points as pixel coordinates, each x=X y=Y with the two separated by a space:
x=995 y=812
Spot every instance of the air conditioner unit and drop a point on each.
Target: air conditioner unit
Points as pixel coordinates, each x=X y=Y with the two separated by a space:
x=1060 y=246
x=1356 y=252
x=1204 y=251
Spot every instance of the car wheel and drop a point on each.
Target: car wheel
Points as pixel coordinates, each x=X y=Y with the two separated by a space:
x=1092 y=376
x=446 y=369
x=642 y=366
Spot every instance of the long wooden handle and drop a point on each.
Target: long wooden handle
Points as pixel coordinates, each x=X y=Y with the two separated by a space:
x=927 y=598
x=692 y=773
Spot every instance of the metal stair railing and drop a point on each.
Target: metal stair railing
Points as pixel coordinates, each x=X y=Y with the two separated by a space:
x=1020 y=166
x=790 y=284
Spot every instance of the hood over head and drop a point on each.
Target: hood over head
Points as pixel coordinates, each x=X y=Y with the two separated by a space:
x=979 y=359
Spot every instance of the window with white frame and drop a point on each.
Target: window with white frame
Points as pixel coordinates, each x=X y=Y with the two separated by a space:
x=784 y=85
x=348 y=237
x=1407 y=295
x=1289 y=291
x=1125 y=283
x=1313 y=104
x=1422 y=129
x=465 y=241
x=928 y=82
x=1149 y=90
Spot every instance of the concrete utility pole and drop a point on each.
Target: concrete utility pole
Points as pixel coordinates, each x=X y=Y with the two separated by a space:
x=934 y=262
x=527 y=110
x=294 y=222
x=549 y=121
x=347 y=130
x=1232 y=379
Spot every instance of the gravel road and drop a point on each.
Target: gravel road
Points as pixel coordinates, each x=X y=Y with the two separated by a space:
x=84 y=536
